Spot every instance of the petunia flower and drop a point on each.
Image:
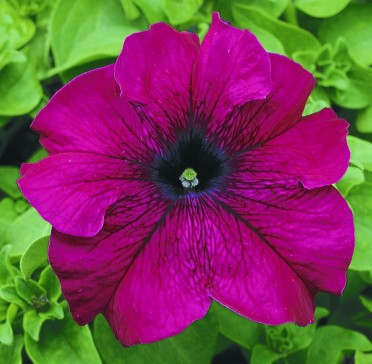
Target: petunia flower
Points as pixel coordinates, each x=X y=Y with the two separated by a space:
x=185 y=173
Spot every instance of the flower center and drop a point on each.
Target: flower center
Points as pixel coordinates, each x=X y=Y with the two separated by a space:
x=188 y=178
x=193 y=164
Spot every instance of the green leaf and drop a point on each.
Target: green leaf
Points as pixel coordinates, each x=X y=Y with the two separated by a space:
x=366 y=302
x=130 y=10
x=317 y=101
x=8 y=293
x=9 y=55
x=273 y=8
x=62 y=341
x=268 y=40
x=354 y=24
x=357 y=92
x=8 y=213
x=181 y=11
x=49 y=281
x=6 y=330
x=289 y=338
x=360 y=200
x=26 y=229
x=153 y=10
x=14 y=29
x=321 y=8
x=361 y=152
x=292 y=38
x=32 y=323
x=354 y=176
x=331 y=342
x=12 y=354
x=28 y=290
x=38 y=52
x=193 y=346
x=364 y=120
x=20 y=90
x=4 y=273
x=8 y=181
x=362 y=358
x=245 y=332
x=262 y=354
x=35 y=256
x=78 y=38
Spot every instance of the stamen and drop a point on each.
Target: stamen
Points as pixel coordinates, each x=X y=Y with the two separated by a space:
x=188 y=178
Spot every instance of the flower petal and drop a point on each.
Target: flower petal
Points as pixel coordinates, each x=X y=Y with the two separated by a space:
x=251 y=278
x=72 y=191
x=88 y=115
x=314 y=152
x=231 y=69
x=90 y=269
x=311 y=230
x=164 y=290
x=154 y=73
x=257 y=122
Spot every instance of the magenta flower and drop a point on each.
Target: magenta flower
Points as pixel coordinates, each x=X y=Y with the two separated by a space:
x=184 y=174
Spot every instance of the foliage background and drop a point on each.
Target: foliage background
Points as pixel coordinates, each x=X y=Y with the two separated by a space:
x=45 y=43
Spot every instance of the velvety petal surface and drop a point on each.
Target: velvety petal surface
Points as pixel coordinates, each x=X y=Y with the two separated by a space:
x=90 y=269
x=314 y=151
x=72 y=191
x=310 y=230
x=154 y=73
x=231 y=69
x=88 y=115
x=164 y=290
x=247 y=275
x=258 y=122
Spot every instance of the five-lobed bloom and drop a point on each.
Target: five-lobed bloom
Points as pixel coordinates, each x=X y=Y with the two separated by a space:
x=185 y=173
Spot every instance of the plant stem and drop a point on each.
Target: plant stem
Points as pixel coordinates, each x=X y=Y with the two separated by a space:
x=290 y=14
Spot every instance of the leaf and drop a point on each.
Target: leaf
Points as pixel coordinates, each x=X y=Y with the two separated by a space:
x=289 y=338
x=6 y=330
x=262 y=354
x=321 y=8
x=20 y=90
x=354 y=24
x=364 y=120
x=317 y=101
x=361 y=151
x=32 y=323
x=274 y=8
x=9 y=55
x=8 y=181
x=366 y=302
x=130 y=10
x=49 y=281
x=181 y=11
x=12 y=354
x=360 y=200
x=353 y=176
x=28 y=290
x=26 y=229
x=193 y=346
x=362 y=358
x=8 y=293
x=292 y=38
x=153 y=10
x=14 y=29
x=78 y=38
x=8 y=213
x=35 y=256
x=245 y=332
x=62 y=341
x=330 y=342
